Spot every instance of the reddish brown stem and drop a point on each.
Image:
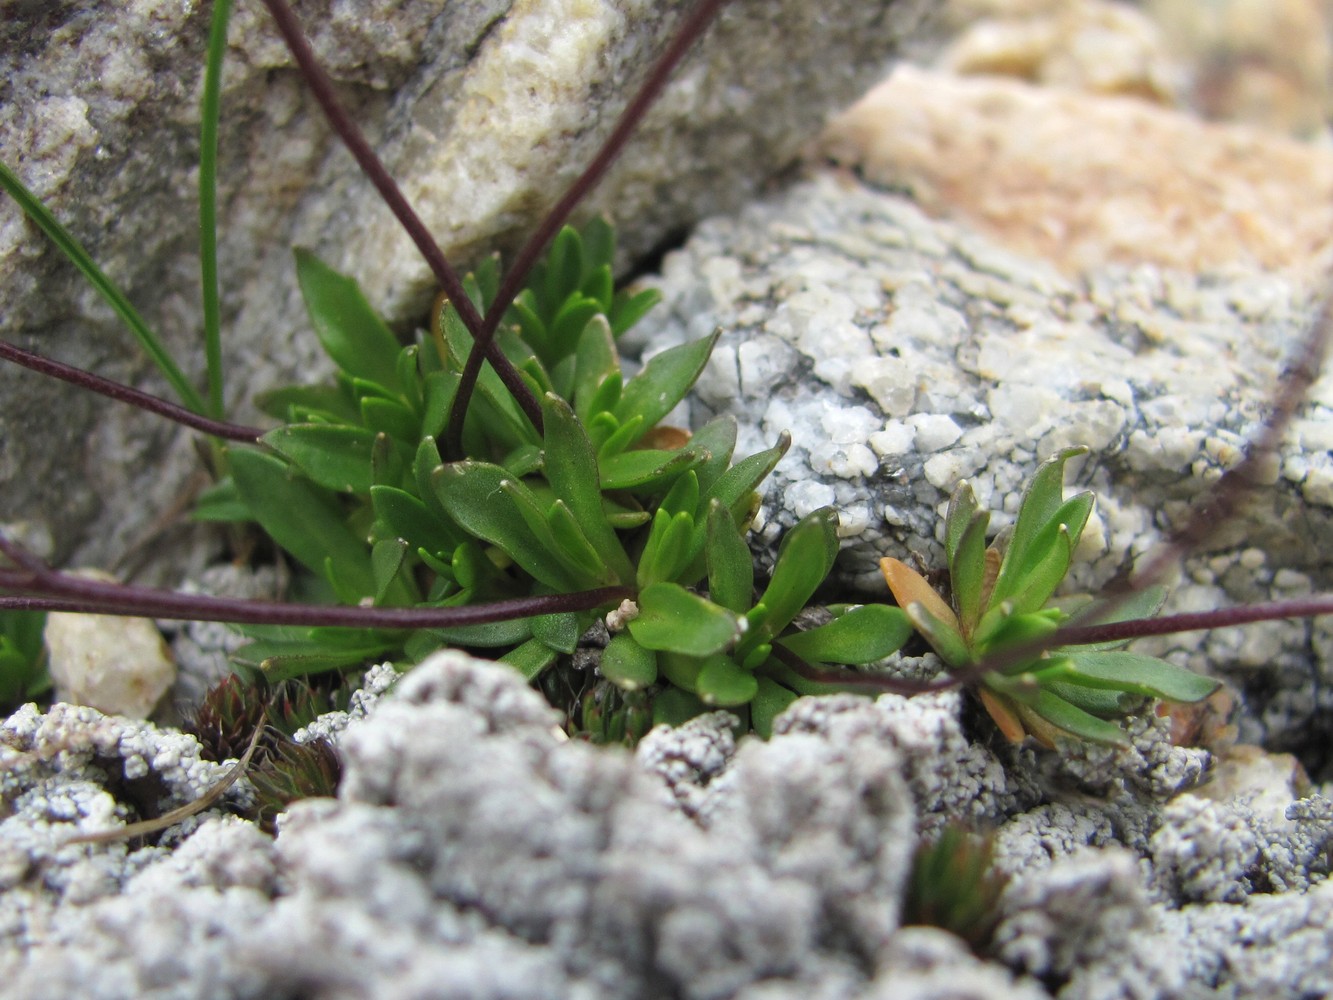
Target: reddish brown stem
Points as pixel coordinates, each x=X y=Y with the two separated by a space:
x=124 y=394
x=355 y=141
x=512 y=283
x=48 y=590
x=850 y=678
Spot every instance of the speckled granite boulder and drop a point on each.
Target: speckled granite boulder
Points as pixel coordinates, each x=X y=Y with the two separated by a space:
x=484 y=110
x=906 y=354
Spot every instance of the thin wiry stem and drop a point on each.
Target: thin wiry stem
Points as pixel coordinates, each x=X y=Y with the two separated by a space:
x=125 y=394
x=512 y=283
x=352 y=137
x=1304 y=607
x=45 y=589
x=1224 y=498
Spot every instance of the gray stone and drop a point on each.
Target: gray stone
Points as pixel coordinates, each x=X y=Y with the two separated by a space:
x=483 y=111
x=905 y=355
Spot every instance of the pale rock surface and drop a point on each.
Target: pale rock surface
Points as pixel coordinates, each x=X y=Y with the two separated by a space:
x=472 y=853
x=117 y=665
x=906 y=354
x=1155 y=186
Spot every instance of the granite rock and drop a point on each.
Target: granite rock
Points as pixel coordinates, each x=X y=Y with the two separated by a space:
x=906 y=354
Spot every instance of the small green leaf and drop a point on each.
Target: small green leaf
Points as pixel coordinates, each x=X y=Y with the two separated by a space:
x=221 y=502
x=1048 y=562
x=770 y=700
x=1072 y=720
x=571 y=469
x=406 y=517
x=484 y=500
x=967 y=569
x=564 y=268
x=386 y=559
x=1133 y=672
x=335 y=457
x=304 y=519
x=648 y=470
x=672 y=618
x=351 y=331
x=675 y=707
x=862 y=634
x=391 y=417
x=531 y=658
x=943 y=638
x=1041 y=500
x=627 y=664
x=568 y=325
x=663 y=382
x=595 y=362
x=730 y=564
x=805 y=558
x=560 y=631
x=630 y=307
x=721 y=683
x=666 y=549
x=573 y=544
x=959 y=514
x=716 y=441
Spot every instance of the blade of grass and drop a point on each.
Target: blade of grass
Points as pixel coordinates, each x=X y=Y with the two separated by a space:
x=115 y=298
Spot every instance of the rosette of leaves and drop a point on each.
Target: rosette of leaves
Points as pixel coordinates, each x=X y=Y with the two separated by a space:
x=728 y=650
x=355 y=488
x=1002 y=603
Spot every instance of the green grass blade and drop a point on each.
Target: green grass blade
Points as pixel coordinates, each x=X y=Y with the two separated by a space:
x=209 y=113
x=115 y=298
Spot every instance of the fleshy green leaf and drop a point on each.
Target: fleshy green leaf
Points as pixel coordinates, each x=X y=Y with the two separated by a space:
x=721 y=683
x=730 y=564
x=305 y=520
x=862 y=634
x=1133 y=672
x=663 y=382
x=967 y=570
x=221 y=502
x=595 y=361
x=335 y=457
x=627 y=664
x=560 y=631
x=630 y=307
x=531 y=658
x=1041 y=500
x=406 y=517
x=571 y=469
x=484 y=500
x=1071 y=719
x=805 y=557
x=351 y=331
x=672 y=618
x=770 y=700
x=647 y=469
x=1140 y=604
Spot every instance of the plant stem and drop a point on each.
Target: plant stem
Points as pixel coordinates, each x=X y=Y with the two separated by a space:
x=512 y=283
x=45 y=589
x=124 y=394
x=355 y=141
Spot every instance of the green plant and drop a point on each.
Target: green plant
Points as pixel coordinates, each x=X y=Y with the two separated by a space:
x=1003 y=613
x=498 y=484
x=22 y=656
x=954 y=884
